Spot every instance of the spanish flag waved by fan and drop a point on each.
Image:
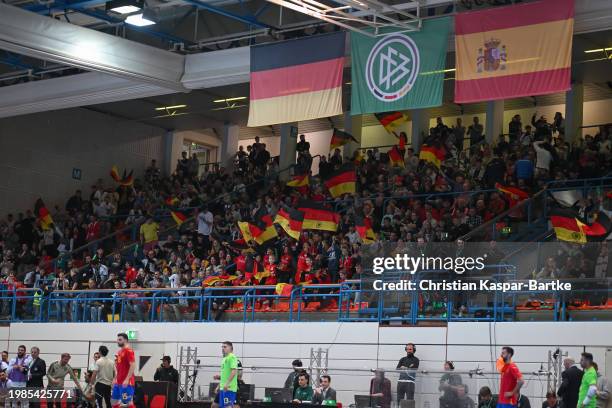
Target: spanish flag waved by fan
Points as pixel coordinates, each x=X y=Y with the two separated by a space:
x=127 y=179
x=178 y=216
x=433 y=154
x=395 y=157
x=340 y=138
x=343 y=181
x=569 y=227
x=43 y=215
x=284 y=289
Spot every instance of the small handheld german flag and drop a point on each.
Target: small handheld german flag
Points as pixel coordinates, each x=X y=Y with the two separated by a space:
x=395 y=157
x=299 y=180
x=514 y=194
x=343 y=181
x=127 y=179
x=432 y=154
x=43 y=215
x=178 y=216
x=363 y=226
x=391 y=120
x=340 y=138
x=284 y=289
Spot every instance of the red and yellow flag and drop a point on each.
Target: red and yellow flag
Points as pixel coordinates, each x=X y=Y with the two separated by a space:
x=343 y=181
x=514 y=51
x=514 y=194
x=318 y=217
x=284 y=289
x=178 y=216
x=568 y=227
x=340 y=138
x=43 y=215
x=391 y=120
x=432 y=154
x=363 y=226
x=125 y=180
x=395 y=157
x=299 y=180
x=291 y=221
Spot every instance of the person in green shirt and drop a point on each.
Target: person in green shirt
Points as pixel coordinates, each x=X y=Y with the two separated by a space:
x=588 y=386
x=228 y=380
x=304 y=391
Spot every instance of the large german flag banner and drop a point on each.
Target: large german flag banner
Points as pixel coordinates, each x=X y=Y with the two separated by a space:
x=363 y=226
x=43 y=215
x=340 y=138
x=432 y=154
x=395 y=157
x=291 y=221
x=318 y=217
x=296 y=80
x=514 y=51
x=391 y=120
x=568 y=226
x=343 y=181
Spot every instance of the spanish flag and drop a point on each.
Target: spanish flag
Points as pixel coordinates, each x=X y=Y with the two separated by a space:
x=391 y=120
x=432 y=154
x=568 y=227
x=299 y=180
x=178 y=216
x=291 y=221
x=363 y=226
x=318 y=217
x=514 y=194
x=43 y=215
x=211 y=280
x=395 y=157
x=127 y=179
x=514 y=51
x=343 y=181
x=284 y=289
x=340 y=138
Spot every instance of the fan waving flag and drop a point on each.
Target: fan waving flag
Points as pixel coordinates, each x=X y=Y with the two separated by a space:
x=363 y=226
x=569 y=227
x=296 y=80
x=514 y=194
x=343 y=181
x=318 y=217
x=127 y=179
x=514 y=51
x=395 y=157
x=43 y=215
x=178 y=216
x=340 y=138
x=291 y=221
x=299 y=180
x=432 y=154
x=284 y=289
x=391 y=120
x=263 y=229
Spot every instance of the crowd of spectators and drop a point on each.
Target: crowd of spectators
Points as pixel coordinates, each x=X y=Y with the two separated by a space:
x=416 y=203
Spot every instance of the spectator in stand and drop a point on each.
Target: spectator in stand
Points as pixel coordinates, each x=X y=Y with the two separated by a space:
x=558 y=125
x=205 y=226
x=459 y=134
x=542 y=128
x=304 y=159
x=149 y=234
x=515 y=129
x=475 y=132
x=165 y=372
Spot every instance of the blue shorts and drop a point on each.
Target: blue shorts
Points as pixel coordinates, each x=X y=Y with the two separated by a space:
x=227 y=398
x=125 y=394
x=505 y=405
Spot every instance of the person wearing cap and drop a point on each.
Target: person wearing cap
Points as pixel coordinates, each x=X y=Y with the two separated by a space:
x=291 y=383
x=165 y=372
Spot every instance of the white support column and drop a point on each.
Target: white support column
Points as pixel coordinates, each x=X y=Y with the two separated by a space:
x=229 y=144
x=420 y=128
x=494 y=121
x=167 y=166
x=352 y=125
x=288 y=144
x=574 y=103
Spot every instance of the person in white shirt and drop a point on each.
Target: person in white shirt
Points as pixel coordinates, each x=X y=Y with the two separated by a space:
x=205 y=225
x=543 y=158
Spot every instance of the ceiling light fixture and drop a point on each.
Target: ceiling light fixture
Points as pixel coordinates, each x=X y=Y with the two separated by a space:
x=598 y=50
x=138 y=20
x=125 y=6
x=162 y=108
x=237 y=98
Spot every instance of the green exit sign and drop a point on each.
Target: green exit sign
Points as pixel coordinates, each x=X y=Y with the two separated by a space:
x=132 y=334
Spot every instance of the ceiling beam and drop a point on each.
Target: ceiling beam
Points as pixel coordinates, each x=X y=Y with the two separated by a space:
x=48 y=39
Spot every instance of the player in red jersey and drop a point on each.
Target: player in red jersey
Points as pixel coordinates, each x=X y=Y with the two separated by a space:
x=123 y=383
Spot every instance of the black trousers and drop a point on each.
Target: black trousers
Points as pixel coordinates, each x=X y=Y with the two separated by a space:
x=405 y=390
x=103 y=393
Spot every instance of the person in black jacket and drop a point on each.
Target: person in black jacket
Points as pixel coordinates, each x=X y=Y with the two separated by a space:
x=406 y=382
x=571 y=378
x=165 y=372
x=36 y=373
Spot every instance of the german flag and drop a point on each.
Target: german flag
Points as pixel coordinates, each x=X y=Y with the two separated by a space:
x=318 y=217
x=343 y=181
x=363 y=226
x=395 y=157
x=568 y=227
x=514 y=194
x=432 y=154
x=127 y=179
x=284 y=289
x=340 y=138
x=43 y=215
x=178 y=216
x=391 y=120
x=299 y=180
x=291 y=221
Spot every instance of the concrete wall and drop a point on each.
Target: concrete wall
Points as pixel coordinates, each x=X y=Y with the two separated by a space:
x=267 y=349
x=39 y=152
